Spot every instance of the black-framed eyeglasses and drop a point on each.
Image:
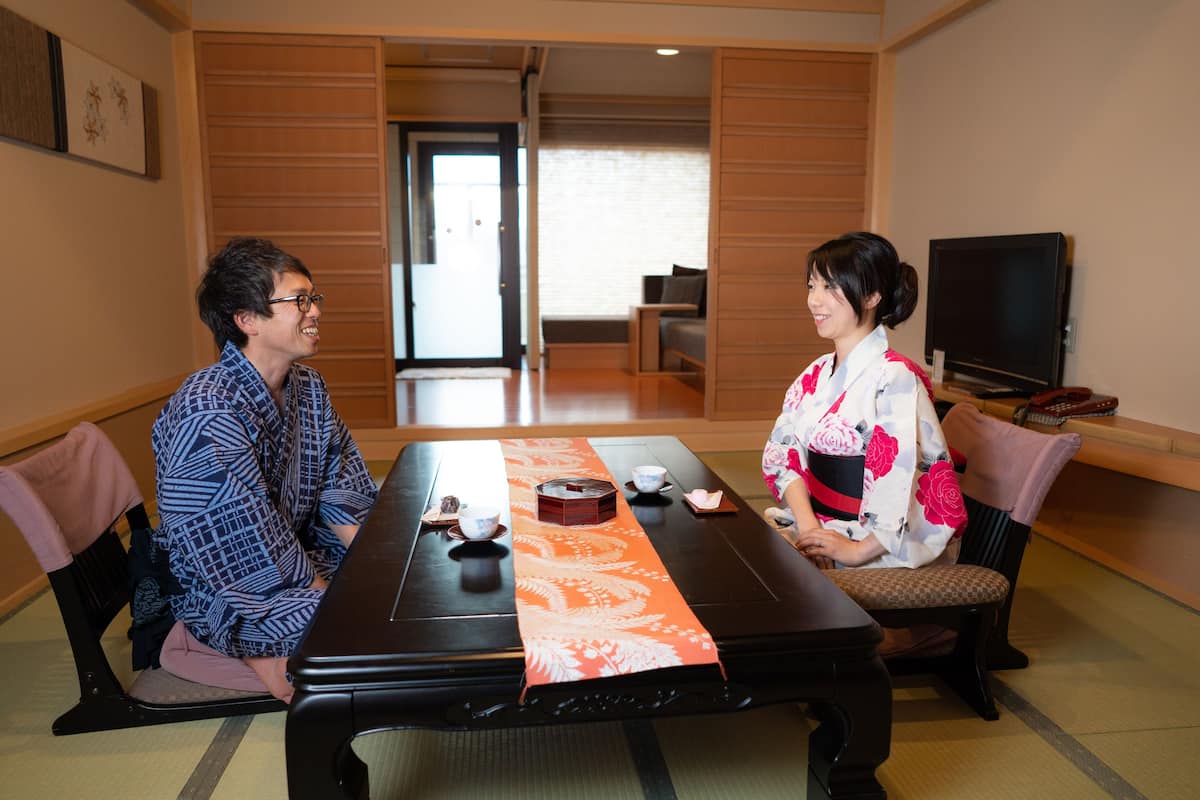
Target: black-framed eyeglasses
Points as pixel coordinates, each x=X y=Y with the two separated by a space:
x=303 y=301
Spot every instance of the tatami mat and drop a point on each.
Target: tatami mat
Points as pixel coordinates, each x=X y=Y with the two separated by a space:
x=943 y=751
x=1110 y=707
x=741 y=471
x=1110 y=655
x=581 y=762
x=40 y=683
x=760 y=754
x=259 y=768
x=1161 y=764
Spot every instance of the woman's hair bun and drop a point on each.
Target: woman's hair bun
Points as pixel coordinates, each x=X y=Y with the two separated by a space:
x=904 y=297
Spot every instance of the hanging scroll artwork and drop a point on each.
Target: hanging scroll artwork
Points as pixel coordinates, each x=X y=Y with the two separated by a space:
x=58 y=96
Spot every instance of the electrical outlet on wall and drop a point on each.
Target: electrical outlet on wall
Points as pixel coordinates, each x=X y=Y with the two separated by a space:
x=1069 y=335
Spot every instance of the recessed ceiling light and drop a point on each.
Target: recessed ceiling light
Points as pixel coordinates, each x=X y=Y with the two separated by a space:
x=667 y=51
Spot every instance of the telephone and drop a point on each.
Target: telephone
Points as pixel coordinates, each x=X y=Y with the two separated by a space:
x=1072 y=401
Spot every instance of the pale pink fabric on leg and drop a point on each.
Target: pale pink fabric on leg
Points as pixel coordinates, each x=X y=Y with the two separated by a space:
x=184 y=656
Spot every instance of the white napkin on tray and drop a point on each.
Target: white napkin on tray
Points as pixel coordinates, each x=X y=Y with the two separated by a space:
x=435 y=515
x=702 y=498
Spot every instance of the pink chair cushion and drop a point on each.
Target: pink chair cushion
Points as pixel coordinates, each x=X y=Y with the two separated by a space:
x=65 y=495
x=1008 y=467
x=184 y=656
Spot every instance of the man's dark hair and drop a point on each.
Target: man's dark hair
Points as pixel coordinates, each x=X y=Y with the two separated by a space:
x=241 y=277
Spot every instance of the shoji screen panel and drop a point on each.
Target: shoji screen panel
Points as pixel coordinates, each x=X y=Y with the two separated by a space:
x=790 y=146
x=293 y=131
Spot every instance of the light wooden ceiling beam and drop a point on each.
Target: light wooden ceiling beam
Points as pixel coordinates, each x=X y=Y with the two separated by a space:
x=835 y=6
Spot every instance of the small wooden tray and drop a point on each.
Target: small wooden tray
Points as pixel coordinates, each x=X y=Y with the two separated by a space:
x=441 y=522
x=726 y=506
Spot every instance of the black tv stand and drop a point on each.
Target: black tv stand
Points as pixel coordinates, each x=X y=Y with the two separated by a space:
x=997 y=393
x=986 y=391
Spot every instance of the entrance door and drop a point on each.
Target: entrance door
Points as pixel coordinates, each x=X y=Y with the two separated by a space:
x=462 y=265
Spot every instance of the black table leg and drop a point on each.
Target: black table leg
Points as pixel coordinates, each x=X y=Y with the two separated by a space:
x=854 y=737
x=320 y=762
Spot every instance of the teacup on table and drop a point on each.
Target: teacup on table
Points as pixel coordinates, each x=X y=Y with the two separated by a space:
x=478 y=522
x=649 y=478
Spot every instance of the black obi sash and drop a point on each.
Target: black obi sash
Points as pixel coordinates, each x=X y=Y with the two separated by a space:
x=835 y=485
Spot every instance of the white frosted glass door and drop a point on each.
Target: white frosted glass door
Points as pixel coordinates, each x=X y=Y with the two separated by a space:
x=456 y=285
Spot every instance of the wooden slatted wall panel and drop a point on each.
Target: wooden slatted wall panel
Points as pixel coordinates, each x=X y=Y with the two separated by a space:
x=293 y=142
x=789 y=171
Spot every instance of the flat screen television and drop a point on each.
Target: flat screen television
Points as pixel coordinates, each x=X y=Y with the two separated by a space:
x=997 y=309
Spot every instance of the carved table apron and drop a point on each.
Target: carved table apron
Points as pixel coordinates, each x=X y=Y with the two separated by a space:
x=414 y=633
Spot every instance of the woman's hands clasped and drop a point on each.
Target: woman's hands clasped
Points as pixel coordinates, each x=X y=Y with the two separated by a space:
x=823 y=548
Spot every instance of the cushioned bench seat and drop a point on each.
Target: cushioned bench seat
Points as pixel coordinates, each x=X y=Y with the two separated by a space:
x=586 y=342
x=683 y=337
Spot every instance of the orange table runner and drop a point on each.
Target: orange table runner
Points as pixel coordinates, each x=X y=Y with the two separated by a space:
x=592 y=600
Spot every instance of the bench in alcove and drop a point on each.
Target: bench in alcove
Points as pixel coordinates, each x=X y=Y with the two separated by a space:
x=586 y=342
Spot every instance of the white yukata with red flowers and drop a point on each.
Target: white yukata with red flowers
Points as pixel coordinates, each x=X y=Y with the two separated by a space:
x=878 y=404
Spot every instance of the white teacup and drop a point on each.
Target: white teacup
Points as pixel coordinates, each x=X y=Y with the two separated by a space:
x=649 y=478
x=478 y=522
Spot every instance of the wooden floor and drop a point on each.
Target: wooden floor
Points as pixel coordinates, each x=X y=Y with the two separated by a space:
x=548 y=397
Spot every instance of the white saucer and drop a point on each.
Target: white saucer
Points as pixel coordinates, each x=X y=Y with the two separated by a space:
x=455 y=532
x=666 y=487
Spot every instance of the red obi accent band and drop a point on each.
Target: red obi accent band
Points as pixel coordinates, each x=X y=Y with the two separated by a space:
x=832 y=499
x=835 y=484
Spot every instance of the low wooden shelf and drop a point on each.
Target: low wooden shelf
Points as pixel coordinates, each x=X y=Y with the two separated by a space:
x=1117 y=443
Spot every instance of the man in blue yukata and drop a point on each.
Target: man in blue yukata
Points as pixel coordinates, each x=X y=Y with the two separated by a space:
x=261 y=489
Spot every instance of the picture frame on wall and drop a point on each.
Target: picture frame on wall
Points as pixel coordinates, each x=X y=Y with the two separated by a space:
x=61 y=97
x=103 y=109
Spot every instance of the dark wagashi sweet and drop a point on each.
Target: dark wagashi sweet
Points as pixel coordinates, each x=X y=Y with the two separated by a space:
x=449 y=504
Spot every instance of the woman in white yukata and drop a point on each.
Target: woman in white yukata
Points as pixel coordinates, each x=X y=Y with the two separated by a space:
x=858 y=457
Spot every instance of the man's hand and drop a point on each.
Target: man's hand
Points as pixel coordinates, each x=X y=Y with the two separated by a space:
x=819 y=543
x=345 y=533
x=319 y=583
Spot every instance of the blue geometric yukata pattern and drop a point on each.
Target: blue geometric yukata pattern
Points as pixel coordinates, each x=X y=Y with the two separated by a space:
x=246 y=499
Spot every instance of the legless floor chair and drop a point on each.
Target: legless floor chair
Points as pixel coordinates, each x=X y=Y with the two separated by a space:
x=66 y=499
x=1009 y=470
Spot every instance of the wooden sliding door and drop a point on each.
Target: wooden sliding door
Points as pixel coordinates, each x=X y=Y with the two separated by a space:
x=789 y=171
x=293 y=145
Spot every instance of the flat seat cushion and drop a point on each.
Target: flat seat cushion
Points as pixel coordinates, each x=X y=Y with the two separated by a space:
x=684 y=336
x=164 y=688
x=939 y=586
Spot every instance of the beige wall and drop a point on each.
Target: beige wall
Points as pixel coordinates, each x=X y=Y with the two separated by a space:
x=537 y=21
x=1036 y=115
x=95 y=292
x=899 y=14
x=627 y=71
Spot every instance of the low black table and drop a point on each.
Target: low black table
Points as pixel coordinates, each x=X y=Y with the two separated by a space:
x=417 y=631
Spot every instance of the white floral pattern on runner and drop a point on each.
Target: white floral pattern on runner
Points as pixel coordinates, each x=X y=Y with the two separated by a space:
x=592 y=600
